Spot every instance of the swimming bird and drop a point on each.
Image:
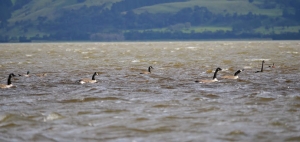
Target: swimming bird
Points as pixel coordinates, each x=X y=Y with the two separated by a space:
x=262 y=67
x=149 y=70
x=273 y=66
x=214 y=77
x=235 y=76
x=9 y=84
x=26 y=75
x=87 y=80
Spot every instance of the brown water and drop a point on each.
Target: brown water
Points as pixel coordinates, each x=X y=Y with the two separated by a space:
x=164 y=106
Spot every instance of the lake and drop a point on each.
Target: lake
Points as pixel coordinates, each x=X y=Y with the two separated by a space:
x=166 y=105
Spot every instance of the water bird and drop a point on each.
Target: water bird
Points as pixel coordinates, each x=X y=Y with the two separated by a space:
x=26 y=75
x=214 y=77
x=262 y=67
x=235 y=76
x=273 y=66
x=149 y=70
x=87 y=80
x=9 y=84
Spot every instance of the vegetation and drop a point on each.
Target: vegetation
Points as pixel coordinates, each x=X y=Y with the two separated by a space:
x=115 y=20
x=5 y=12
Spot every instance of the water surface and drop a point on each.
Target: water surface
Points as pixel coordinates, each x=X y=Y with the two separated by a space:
x=166 y=105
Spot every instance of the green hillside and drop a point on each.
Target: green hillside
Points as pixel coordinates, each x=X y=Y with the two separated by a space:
x=148 y=19
x=216 y=6
x=49 y=8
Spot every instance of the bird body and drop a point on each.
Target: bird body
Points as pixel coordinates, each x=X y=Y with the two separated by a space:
x=26 y=75
x=273 y=66
x=87 y=80
x=235 y=76
x=9 y=84
x=149 y=70
x=210 y=81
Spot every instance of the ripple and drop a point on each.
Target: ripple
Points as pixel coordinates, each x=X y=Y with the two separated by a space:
x=89 y=99
x=161 y=106
x=257 y=59
x=114 y=111
x=135 y=61
x=237 y=132
x=141 y=119
x=53 y=116
x=264 y=99
x=4 y=117
x=211 y=96
x=296 y=138
x=84 y=112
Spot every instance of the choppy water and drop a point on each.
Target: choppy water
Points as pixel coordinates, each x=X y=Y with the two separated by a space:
x=164 y=106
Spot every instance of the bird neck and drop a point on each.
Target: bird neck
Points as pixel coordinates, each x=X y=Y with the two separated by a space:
x=9 y=80
x=93 y=78
x=215 y=74
x=236 y=73
x=262 y=66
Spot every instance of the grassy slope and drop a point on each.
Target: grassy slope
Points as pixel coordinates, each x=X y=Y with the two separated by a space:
x=216 y=6
x=48 y=7
x=278 y=30
x=193 y=29
x=220 y=7
x=13 y=1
